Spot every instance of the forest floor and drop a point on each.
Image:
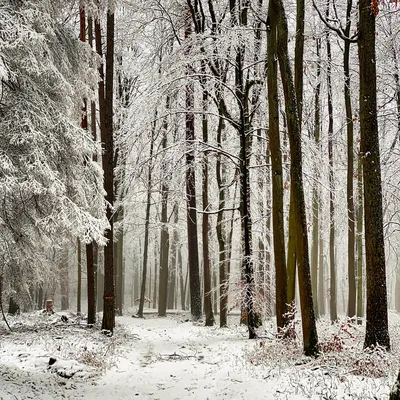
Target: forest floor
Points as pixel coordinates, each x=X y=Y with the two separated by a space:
x=172 y=358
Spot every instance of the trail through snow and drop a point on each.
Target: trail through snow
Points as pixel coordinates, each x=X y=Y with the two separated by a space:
x=172 y=358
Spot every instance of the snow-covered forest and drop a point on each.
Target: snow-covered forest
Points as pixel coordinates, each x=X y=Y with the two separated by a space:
x=225 y=170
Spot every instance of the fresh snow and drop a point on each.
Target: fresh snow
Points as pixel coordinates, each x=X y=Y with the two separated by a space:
x=174 y=358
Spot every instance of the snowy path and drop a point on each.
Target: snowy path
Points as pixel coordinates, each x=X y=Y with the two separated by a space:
x=208 y=364
x=170 y=358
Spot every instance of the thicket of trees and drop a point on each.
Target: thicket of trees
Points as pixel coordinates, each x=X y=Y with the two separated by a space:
x=210 y=156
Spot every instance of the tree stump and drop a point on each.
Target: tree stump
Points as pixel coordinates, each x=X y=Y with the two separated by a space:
x=49 y=306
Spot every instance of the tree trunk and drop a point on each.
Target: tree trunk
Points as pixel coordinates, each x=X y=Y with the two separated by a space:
x=315 y=192
x=360 y=279
x=119 y=262
x=155 y=280
x=321 y=273
x=181 y=279
x=191 y=216
x=174 y=253
x=208 y=311
x=377 y=314
x=108 y=322
x=351 y=305
x=64 y=279
x=147 y=222
x=276 y=175
x=332 y=264
x=291 y=254
x=79 y=286
x=221 y=232
x=164 y=246
x=91 y=248
x=310 y=337
x=84 y=125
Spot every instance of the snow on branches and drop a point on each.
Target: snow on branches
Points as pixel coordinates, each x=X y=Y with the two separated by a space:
x=50 y=187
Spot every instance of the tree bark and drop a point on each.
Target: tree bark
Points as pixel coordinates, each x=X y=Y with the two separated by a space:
x=221 y=232
x=360 y=279
x=172 y=296
x=208 y=311
x=108 y=322
x=79 y=278
x=147 y=223
x=276 y=174
x=91 y=248
x=351 y=305
x=332 y=264
x=377 y=315
x=310 y=337
x=315 y=193
x=164 y=245
x=191 y=215
x=64 y=279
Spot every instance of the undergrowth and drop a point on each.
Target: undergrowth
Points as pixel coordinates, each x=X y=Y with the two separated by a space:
x=343 y=369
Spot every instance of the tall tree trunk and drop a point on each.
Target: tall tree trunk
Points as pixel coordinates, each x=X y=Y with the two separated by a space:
x=291 y=254
x=299 y=57
x=119 y=262
x=205 y=223
x=174 y=253
x=351 y=305
x=155 y=280
x=79 y=278
x=221 y=232
x=107 y=139
x=84 y=125
x=276 y=175
x=298 y=84
x=193 y=250
x=164 y=245
x=310 y=337
x=182 y=285
x=332 y=265
x=147 y=222
x=315 y=193
x=91 y=248
x=377 y=315
x=360 y=279
x=244 y=130
x=321 y=273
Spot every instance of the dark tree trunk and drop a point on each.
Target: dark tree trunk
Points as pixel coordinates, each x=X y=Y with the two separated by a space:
x=108 y=322
x=84 y=125
x=91 y=248
x=193 y=250
x=221 y=234
x=79 y=286
x=13 y=306
x=351 y=305
x=310 y=337
x=208 y=311
x=276 y=175
x=164 y=250
x=164 y=236
x=377 y=315
x=360 y=279
x=332 y=264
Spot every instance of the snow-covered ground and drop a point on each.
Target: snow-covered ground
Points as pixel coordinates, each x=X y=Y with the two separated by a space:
x=172 y=358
